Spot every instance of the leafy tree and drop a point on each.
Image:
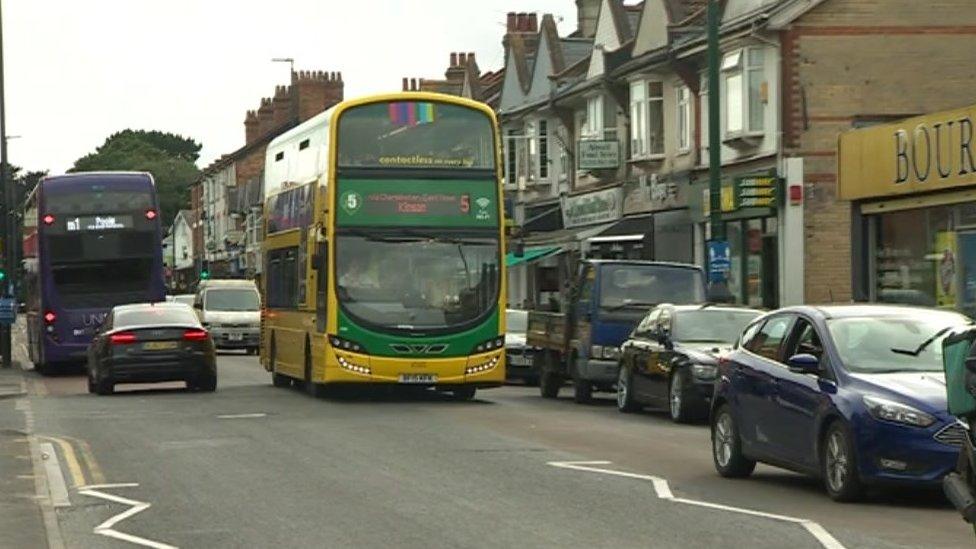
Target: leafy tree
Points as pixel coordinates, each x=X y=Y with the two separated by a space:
x=168 y=157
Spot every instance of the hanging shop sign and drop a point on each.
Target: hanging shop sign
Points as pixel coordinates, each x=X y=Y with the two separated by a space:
x=750 y=191
x=599 y=154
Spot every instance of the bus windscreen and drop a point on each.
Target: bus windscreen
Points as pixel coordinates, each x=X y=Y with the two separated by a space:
x=415 y=134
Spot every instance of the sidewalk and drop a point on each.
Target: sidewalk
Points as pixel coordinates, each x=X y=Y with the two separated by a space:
x=21 y=520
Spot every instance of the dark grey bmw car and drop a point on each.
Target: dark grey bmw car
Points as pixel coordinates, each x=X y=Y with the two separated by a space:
x=148 y=343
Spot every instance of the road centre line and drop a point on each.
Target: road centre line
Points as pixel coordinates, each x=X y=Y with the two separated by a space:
x=135 y=507
x=663 y=491
x=57 y=489
x=241 y=416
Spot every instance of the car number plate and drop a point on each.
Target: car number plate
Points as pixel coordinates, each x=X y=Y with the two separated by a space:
x=418 y=378
x=159 y=345
x=235 y=337
x=519 y=361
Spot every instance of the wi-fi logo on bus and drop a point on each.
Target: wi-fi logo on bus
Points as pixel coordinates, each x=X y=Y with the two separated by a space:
x=482 y=202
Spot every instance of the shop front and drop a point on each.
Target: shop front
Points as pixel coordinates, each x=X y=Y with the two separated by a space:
x=750 y=206
x=656 y=224
x=912 y=185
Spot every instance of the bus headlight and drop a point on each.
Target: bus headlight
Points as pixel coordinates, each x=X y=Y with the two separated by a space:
x=493 y=343
x=346 y=344
x=481 y=368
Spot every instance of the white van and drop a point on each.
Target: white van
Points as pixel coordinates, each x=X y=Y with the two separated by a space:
x=231 y=311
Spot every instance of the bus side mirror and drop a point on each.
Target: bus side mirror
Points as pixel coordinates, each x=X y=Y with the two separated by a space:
x=519 y=248
x=316 y=262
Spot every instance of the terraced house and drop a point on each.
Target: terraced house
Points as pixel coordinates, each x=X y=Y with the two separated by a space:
x=605 y=134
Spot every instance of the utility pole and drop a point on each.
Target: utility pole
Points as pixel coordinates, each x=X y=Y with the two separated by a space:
x=714 y=121
x=6 y=211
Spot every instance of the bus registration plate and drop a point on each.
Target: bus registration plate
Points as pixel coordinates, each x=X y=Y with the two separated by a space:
x=418 y=378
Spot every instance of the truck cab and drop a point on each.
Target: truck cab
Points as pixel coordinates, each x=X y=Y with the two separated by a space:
x=600 y=308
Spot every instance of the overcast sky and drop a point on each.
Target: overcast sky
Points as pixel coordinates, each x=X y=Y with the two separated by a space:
x=76 y=71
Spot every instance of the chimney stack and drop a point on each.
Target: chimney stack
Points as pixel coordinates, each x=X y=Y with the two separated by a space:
x=525 y=25
x=251 y=127
x=587 y=12
x=265 y=116
x=315 y=92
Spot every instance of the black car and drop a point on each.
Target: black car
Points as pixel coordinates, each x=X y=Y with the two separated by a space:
x=670 y=359
x=148 y=343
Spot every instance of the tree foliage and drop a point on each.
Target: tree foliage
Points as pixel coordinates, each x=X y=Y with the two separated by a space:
x=168 y=157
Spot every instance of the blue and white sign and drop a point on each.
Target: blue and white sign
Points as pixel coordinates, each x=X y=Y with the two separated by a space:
x=8 y=310
x=719 y=260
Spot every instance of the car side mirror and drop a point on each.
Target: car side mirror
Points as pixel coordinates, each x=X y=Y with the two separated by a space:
x=198 y=306
x=316 y=261
x=804 y=363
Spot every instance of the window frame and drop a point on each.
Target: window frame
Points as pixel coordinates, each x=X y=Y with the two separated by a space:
x=739 y=64
x=787 y=334
x=658 y=102
x=683 y=117
x=542 y=147
x=638 y=119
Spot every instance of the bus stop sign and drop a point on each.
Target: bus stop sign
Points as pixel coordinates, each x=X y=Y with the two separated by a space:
x=8 y=310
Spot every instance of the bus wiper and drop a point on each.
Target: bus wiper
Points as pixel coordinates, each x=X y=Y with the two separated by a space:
x=629 y=303
x=924 y=344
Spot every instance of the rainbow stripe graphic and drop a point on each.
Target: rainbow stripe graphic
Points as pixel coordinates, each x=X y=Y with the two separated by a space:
x=411 y=113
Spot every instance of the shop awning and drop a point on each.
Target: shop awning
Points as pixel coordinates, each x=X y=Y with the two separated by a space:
x=530 y=254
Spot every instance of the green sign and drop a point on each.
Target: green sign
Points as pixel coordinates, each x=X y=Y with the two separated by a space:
x=426 y=202
x=750 y=191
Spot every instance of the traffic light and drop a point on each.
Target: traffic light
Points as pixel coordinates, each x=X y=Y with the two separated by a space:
x=3 y=275
x=205 y=271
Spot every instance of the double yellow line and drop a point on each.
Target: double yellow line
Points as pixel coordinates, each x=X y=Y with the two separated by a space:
x=70 y=449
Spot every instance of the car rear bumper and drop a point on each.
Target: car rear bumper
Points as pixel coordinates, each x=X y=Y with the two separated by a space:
x=236 y=338
x=145 y=370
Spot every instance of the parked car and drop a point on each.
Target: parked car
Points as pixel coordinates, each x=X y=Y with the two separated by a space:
x=186 y=299
x=231 y=310
x=518 y=354
x=671 y=358
x=151 y=342
x=854 y=394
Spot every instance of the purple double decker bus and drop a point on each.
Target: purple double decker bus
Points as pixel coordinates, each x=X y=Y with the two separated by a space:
x=91 y=241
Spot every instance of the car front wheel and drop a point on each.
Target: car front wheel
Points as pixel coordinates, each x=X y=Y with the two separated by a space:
x=840 y=465
x=727 y=453
x=625 y=393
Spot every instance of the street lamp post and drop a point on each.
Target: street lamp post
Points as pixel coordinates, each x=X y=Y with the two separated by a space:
x=6 y=211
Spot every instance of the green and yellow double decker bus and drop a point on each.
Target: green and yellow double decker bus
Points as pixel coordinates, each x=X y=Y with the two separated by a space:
x=384 y=247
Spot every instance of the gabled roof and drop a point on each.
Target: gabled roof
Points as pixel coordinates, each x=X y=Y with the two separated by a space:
x=524 y=59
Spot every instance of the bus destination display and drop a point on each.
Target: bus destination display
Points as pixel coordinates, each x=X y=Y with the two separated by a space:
x=98 y=223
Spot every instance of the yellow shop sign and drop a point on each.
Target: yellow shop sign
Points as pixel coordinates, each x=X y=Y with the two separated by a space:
x=921 y=154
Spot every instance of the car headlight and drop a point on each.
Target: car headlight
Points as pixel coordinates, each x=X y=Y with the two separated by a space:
x=889 y=410
x=605 y=352
x=704 y=371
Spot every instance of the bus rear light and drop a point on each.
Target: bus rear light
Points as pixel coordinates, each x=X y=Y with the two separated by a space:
x=195 y=335
x=48 y=219
x=122 y=338
x=50 y=317
x=151 y=214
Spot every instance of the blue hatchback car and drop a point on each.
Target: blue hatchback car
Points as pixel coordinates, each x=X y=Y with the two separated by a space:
x=854 y=394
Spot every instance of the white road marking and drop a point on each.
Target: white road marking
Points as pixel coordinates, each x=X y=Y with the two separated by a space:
x=56 y=486
x=104 y=486
x=663 y=491
x=106 y=528
x=240 y=416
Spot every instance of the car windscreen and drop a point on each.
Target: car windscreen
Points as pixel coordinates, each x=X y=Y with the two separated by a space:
x=153 y=316
x=723 y=326
x=516 y=321
x=236 y=299
x=888 y=344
